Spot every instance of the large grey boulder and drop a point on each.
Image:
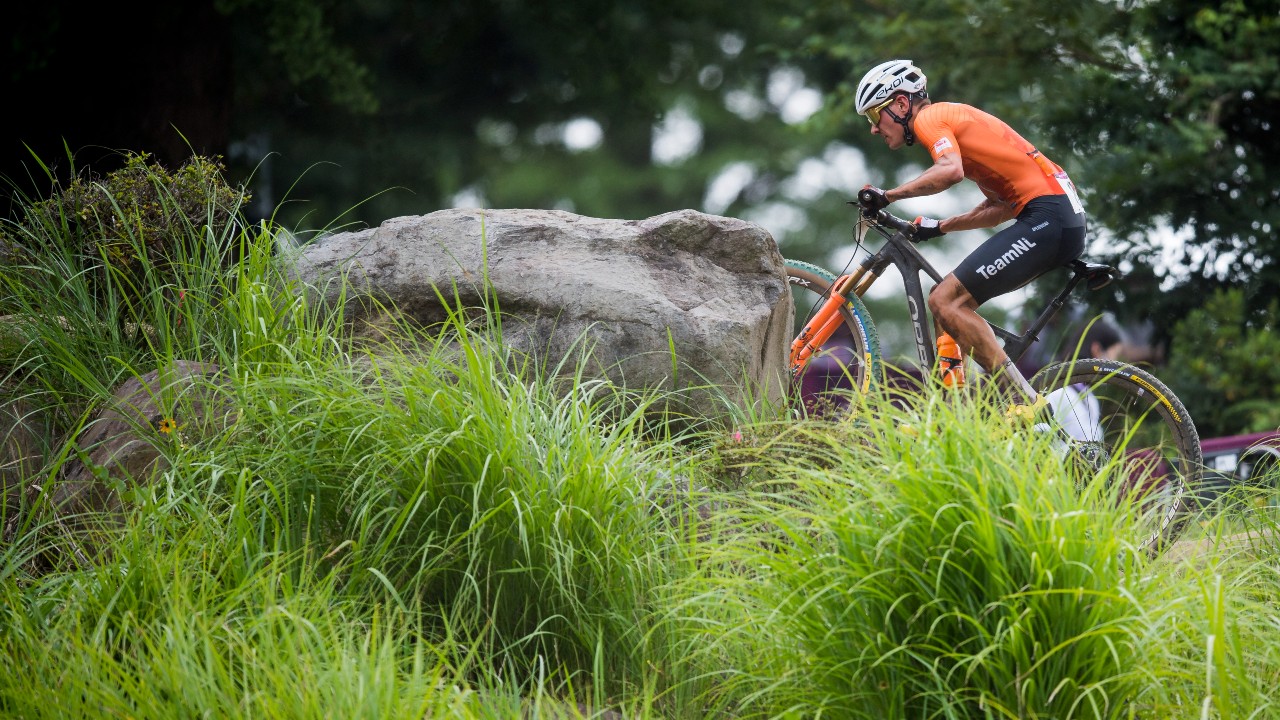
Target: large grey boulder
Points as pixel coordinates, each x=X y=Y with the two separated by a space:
x=713 y=288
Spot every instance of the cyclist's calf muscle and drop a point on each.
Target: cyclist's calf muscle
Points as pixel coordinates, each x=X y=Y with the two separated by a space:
x=956 y=312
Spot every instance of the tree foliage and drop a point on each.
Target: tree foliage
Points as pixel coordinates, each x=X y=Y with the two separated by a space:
x=475 y=98
x=1163 y=112
x=1227 y=371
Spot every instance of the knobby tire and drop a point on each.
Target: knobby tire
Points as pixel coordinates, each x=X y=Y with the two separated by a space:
x=1145 y=432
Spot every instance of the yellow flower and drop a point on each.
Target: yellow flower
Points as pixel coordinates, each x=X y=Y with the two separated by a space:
x=167 y=426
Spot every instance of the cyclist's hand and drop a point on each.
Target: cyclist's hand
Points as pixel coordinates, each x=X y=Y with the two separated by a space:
x=927 y=229
x=872 y=200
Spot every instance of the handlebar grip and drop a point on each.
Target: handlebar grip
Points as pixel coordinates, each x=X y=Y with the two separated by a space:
x=884 y=217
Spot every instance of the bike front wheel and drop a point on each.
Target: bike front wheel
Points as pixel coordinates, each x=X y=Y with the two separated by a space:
x=849 y=362
x=1120 y=415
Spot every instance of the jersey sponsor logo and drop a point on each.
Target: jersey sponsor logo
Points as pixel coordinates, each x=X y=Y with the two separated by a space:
x=940 y=145
x=1041 y=226
x=1016 y=250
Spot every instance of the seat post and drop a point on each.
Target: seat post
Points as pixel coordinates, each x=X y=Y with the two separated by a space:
x=1018 y=346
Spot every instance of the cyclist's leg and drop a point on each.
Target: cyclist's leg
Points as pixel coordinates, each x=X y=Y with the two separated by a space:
x=1047 y=234
x=956 y=310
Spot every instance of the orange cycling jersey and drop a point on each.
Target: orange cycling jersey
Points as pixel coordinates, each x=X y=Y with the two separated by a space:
x=1005 y=166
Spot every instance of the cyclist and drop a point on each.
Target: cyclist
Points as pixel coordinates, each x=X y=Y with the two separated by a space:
x=1018 y=182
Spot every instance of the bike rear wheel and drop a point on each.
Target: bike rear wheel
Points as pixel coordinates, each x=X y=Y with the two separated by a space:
x=1118 y=413
x=848 y=363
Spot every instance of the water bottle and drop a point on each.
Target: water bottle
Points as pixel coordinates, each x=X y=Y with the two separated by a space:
x=950 y=361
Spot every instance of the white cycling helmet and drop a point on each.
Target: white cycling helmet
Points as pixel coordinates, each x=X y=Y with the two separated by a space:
x=884 y=80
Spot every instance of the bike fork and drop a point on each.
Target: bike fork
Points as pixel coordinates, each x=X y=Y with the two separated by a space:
x=818 y=330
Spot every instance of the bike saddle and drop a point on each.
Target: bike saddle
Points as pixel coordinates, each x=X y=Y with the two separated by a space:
x=1096 y=275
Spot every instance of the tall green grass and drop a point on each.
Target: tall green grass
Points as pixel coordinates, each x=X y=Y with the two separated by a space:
x=482 y=509
x=448 y=484
x=435 y=525
x=936 y=563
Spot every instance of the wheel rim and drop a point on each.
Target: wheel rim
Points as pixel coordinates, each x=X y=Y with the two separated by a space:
x=1131 y=427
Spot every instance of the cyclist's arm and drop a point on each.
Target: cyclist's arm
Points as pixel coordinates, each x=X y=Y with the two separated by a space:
x=946 y=171
x=989 y=213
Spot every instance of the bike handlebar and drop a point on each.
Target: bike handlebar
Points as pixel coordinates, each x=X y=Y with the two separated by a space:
x=885 y=218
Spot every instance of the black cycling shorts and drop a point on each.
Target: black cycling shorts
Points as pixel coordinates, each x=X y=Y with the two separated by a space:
x=1049 y=233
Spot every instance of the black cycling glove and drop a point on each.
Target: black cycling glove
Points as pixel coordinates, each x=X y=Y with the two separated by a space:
x=927 y=229
x=872 y=200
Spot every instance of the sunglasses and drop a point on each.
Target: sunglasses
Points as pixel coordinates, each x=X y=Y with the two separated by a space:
x=873 y=114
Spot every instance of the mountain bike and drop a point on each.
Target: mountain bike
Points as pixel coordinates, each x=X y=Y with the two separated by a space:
x=1103 y=411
